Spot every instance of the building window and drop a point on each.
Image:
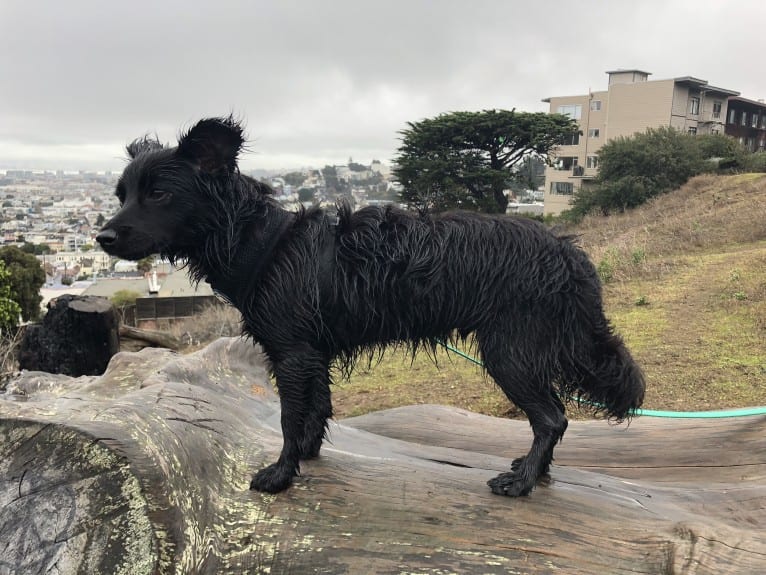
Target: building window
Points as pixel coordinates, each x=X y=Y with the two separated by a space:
x=594 y=133
x=694 y=106
x=743 y=119
x=572 y=140
x=692 y=130
x=754 y=120
x=732 y=116
x=562 y=188
x=591 y=162
x=565 y=163
x=574 y=111
x=717 y=109
x=595 y=105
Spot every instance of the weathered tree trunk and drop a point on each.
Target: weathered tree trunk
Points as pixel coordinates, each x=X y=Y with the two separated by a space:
x=78 y=336
x=146 y=470
x=148 y=338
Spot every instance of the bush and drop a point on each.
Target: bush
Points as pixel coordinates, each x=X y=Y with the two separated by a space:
x=755 y=162
x=719 y=146
x=25 y=280
x=124 y=297
x=9 y=307
x=635 y=169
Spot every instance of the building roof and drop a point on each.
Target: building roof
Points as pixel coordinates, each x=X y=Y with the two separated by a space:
x=759 y=103
x=178 y=284
x=108 y=287
x=703 y=85
x=623 y=71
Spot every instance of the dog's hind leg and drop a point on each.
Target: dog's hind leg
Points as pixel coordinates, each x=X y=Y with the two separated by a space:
x=320 y=411
x=526 y=373
x=297 y=373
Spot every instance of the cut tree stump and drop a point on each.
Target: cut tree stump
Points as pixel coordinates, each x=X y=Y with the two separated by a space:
x=146 y=470
x=78 y=336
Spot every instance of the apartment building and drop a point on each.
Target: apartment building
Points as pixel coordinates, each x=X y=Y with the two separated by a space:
x=631 y=103
x=746 y=121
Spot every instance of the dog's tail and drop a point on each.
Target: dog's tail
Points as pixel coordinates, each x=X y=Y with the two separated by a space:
x=598 y=368
x=607 y=379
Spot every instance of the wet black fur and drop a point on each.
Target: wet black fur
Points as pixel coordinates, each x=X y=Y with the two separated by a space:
x=319 y=289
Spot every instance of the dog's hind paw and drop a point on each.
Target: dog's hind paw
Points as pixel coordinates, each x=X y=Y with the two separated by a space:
x=511 y=484
x=310 y=450
x=272 y=479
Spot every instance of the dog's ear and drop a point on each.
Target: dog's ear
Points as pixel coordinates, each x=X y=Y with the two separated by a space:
x=143 y=144
x=213 y=144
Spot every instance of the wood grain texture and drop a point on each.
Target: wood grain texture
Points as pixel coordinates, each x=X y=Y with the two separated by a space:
x=145 y=470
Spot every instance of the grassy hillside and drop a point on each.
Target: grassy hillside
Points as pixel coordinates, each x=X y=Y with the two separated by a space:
x=685 y=284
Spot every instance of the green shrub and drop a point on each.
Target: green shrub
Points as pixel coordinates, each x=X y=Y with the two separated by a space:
x=635 y=169
x=638 y=256
x=124 y=297
x=755 y=162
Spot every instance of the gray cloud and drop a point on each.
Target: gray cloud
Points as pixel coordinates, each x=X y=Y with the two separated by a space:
x=318 y=82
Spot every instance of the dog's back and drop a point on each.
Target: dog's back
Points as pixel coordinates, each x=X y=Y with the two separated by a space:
x=448 y=272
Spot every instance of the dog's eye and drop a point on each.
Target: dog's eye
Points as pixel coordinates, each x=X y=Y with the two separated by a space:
x=158 y=195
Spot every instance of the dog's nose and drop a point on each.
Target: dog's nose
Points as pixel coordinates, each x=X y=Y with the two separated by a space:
x=106 y=237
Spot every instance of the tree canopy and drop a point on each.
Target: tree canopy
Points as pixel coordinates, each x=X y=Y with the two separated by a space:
x=294 y=179
x=306 y=195
x=144 y=265
x=26 y=279
x=466 y=159
x=36 y=249
x=9 y=307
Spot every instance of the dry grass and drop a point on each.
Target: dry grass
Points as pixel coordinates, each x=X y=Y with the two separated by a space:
x=9 y=345
x=215 y=321
x=708 y=213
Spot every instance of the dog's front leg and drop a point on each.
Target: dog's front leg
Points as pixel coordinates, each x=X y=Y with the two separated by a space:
x=295 y=374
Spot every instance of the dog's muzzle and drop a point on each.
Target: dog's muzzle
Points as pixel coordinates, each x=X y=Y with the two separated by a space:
x=106 y=237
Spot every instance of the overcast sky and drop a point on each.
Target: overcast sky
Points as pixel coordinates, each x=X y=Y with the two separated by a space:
x=317 y=81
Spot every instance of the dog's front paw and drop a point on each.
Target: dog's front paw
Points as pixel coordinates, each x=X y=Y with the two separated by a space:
x=511 y=484
x=272 y=479
x=518 y=463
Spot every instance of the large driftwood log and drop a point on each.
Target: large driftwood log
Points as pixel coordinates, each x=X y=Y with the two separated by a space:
x=145 y=470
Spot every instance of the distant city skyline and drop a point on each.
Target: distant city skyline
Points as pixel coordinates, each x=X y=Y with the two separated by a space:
x=248 y=162
x=33 y=167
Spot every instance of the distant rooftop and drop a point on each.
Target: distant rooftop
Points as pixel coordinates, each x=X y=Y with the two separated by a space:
x=739 y=98
x=703 y=85
x=628 y=70
x=698 y=83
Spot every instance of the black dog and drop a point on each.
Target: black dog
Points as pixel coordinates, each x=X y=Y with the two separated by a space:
x=316 y=288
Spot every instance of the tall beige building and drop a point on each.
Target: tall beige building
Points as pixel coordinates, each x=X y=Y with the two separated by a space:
x=631 y=103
